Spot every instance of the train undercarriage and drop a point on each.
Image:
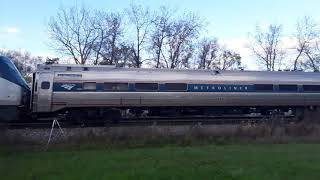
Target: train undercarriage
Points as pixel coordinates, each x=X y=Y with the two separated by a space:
x=115 y=115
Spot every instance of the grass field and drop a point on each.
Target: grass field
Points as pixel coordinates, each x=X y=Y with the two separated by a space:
x=287 y=161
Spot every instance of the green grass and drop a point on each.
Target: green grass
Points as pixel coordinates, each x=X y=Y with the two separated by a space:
x=287 y=161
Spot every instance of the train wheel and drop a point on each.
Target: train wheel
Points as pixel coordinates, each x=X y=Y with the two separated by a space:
x=78 y=117
x=112 y=116
x=300 y=115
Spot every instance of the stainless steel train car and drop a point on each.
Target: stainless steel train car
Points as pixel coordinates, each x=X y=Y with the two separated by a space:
x=14 y=91
x=86 y=92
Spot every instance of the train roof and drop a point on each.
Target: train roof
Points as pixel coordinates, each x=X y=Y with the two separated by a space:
x=78 y=67
x=10 y=72
x=140 y=74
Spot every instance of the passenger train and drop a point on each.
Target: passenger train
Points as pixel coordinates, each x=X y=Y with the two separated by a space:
x=84 y=92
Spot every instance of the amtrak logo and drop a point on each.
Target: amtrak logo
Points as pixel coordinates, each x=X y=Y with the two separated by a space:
x=68 y=86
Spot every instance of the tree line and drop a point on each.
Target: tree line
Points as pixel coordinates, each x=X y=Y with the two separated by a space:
x=300 y=53
x=167 y=38
x=137 y=37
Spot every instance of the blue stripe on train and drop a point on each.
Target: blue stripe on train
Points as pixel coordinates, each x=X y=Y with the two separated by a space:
x=72 y=87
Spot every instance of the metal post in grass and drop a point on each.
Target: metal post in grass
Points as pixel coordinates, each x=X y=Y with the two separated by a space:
x=55 y=122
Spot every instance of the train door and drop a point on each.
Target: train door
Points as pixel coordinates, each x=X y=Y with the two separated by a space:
x=44 y=99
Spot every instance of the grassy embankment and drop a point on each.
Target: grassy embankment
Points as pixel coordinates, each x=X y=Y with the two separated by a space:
x=286 y=161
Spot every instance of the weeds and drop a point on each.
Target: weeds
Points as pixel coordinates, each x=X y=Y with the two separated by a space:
x=158 y=135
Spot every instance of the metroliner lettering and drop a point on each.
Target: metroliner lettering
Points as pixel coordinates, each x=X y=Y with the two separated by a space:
x=218 y=87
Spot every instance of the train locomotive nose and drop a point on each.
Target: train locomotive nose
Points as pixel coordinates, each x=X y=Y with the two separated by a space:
x=13 y=89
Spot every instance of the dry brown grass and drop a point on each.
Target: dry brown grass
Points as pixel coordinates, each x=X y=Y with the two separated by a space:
x=182 y=135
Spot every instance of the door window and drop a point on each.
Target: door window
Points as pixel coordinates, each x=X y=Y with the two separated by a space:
x=45 y=85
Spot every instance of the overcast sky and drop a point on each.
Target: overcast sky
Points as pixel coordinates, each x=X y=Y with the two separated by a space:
x=23 y=22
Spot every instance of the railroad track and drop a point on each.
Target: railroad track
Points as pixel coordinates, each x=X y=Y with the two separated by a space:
x=148 y=121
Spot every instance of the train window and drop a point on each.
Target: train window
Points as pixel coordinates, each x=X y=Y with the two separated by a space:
x=89 y=86
x=146 y=86
x=116 y=86
x=176 y=86
x=311 y=88
x=263 y=87
x=288 y=87
x=45 y=85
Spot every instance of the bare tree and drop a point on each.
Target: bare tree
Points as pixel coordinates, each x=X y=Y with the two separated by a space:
x=73 y=34
x=115 y=34
x=213 y=56
x=100 y=24
x=97 y=38
x=267 y=47
x=109 y=33
x=228 y=60
x=313 y=58
x=208 y=52
x=306 y=35
x=125 y=54
x=123 y=57
x=307 y=48
x=181 y=36
x=161 y=28
x=141 y=19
